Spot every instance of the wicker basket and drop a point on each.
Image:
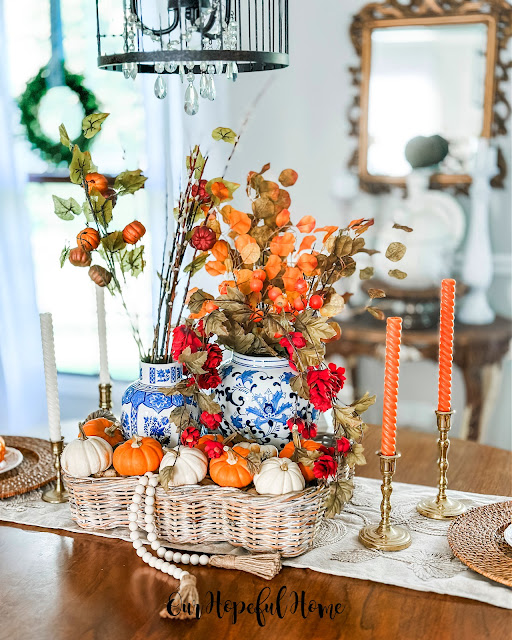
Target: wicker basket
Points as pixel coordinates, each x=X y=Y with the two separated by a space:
x=201 y=514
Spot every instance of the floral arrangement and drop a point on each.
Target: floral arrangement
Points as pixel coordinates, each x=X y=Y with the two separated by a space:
x=277 y=297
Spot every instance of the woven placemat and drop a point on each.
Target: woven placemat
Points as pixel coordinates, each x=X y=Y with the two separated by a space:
x=476 y=538
x=35 y=471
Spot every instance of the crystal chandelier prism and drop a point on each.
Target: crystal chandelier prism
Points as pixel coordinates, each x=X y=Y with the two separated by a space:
x=190 y=38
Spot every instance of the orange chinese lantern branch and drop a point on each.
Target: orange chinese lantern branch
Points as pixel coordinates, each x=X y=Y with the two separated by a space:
x=290 y=277
x=215 y=267
x=307 y=263
x=307 y=243
x=282 y=245
x=223 y=286
x=283 y=218
x=329 y=230
x=220 y=191
x=306 y=224
x=243 y=240
x=361 y=225
x=220 y=250
x=273 y=266
x=239 y=221
x=243 y=280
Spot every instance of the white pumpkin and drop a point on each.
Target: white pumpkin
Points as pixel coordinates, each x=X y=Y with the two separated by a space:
x=278 y=476
x=190 y=466
x=266 y=450
x=86 y=455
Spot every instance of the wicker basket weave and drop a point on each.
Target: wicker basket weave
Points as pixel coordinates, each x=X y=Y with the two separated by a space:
x=201 y=514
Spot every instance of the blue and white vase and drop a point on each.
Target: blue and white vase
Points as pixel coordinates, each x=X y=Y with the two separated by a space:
x=146 y=409
x=257 y=400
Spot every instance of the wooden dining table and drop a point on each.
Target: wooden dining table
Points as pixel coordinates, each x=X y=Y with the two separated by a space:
x=56 y=585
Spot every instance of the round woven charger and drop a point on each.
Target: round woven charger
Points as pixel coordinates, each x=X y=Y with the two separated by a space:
x=476 y=538
x=35 y=471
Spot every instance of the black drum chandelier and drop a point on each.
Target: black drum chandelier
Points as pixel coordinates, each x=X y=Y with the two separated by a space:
x=192 y=37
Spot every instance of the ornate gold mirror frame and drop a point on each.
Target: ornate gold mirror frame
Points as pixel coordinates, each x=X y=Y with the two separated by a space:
x=496 y=14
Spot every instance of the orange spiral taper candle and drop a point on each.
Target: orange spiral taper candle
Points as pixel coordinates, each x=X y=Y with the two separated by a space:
x=393 y=336
x=446 y=344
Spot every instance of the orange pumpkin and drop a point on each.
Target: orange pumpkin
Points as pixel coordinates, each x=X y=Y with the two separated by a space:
x=88 y=239
x=80 y=258
x=309 y=445
x=230 y=469
x=208 y=438
x=138 y=455
x=105 y=429
x=2 y=449
x=96 y=181
x=133 y=232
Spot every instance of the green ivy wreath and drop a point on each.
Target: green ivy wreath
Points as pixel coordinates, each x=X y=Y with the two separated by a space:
x=51 y=150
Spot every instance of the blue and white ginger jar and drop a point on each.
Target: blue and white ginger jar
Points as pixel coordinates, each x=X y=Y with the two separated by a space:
x=257 y=400
x=146 y=410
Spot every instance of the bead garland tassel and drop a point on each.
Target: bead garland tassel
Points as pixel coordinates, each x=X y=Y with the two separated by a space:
x=264 y=565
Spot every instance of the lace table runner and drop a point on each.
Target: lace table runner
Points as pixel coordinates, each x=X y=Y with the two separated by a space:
x=427 y=565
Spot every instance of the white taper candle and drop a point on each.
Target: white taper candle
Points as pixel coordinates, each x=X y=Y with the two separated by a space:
x=102 y=335
x=50 y=376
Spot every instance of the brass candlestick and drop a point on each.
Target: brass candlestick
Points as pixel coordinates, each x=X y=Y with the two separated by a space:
x=59 y=493
x=105 y=395
x=441 y=507
x=385 y=536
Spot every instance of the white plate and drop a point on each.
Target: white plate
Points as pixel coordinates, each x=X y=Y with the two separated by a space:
x=12 y=459
x=507 y=534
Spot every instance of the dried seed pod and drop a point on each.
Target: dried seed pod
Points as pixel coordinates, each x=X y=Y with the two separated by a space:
x=99 y=275
x=203 y=238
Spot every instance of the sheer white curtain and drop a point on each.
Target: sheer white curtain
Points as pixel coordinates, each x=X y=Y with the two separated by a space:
x=21 y=371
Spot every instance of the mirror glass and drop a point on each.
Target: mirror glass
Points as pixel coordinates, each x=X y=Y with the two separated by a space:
x=425 y=80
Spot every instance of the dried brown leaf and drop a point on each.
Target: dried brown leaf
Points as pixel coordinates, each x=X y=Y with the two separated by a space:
x=402 y=227
x=376 y=313
x=288 y=177
x=396 y=273
x=395 y=251
x=366 y=274
x=263 y=207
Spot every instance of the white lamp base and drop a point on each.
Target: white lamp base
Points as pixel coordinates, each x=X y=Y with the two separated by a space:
x=474 y=308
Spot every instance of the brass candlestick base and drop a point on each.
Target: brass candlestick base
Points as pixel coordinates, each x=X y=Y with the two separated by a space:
x=59 y=494
x=441 y=507
x=385 y=536
x=105 y=396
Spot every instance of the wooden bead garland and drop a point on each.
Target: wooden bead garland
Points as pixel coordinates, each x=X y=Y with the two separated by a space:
x=189 y=597
x=264 y=565
x=144 y=494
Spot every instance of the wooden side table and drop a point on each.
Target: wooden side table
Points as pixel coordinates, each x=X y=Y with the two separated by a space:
x=475 y=348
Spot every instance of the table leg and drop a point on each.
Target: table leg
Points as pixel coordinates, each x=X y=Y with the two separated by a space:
x=354 y=378
x=474 y=398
